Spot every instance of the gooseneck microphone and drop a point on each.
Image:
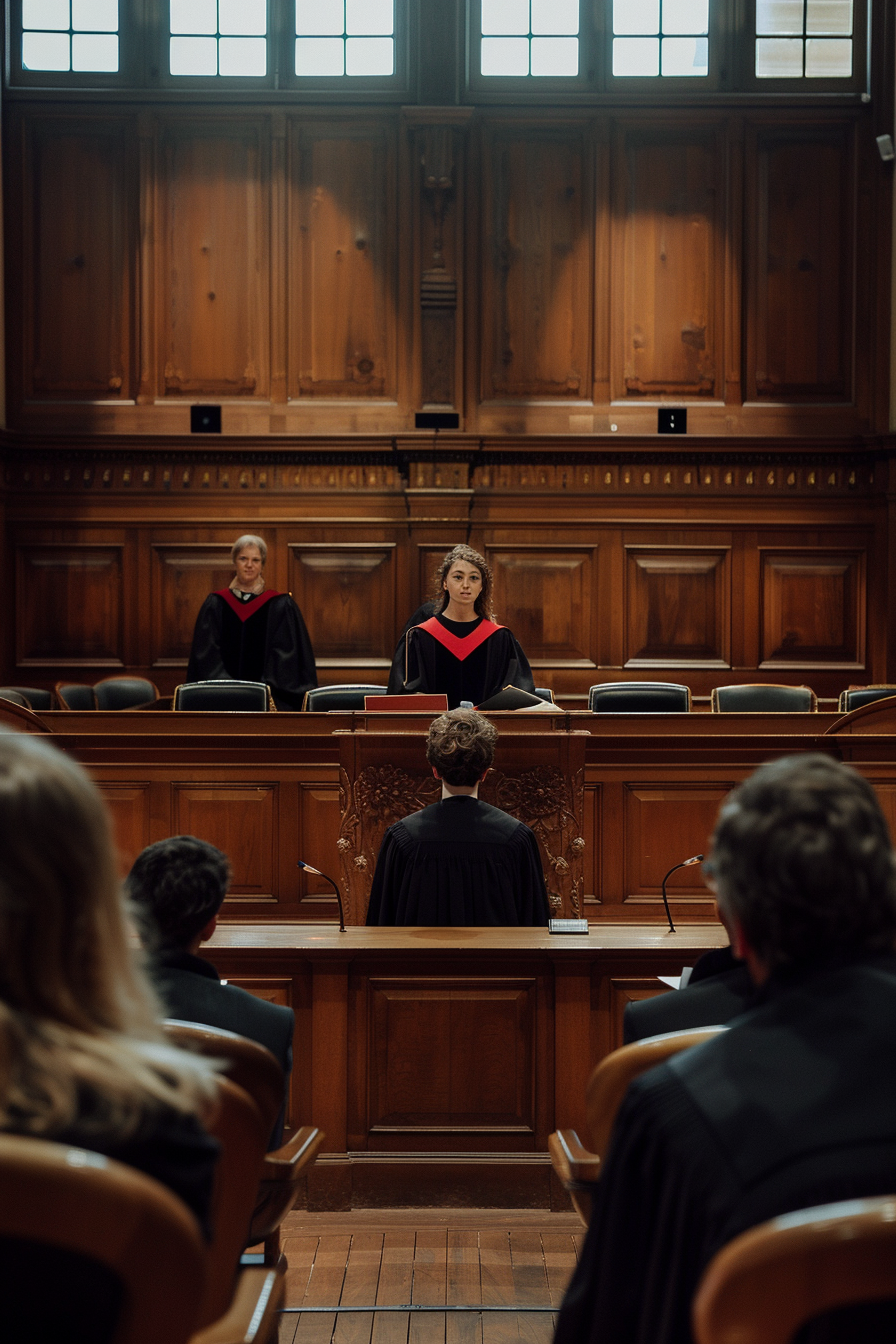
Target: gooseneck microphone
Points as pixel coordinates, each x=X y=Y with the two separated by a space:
x=317 y=873
x=685 y=863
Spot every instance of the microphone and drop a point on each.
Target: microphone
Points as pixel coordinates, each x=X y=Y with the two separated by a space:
x=685 y=863
x=317 y=873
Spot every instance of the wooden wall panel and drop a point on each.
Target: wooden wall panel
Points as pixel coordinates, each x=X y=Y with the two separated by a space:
x=242 y=820
x=546 y=595
x=677 y=606
x=537 y=276
x=801 y=262
x=664 y=824
x=668 y=307
x=130 y=806
x=343 y=240
x=182 y=578
x=69 y=605
x=79 y=220
x=347 y=596
x=473 y=1045
x=214 y=263
x=813 y=608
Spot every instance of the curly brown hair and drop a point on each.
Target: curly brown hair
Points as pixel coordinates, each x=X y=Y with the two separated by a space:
x=461 y=746
x=483 y=603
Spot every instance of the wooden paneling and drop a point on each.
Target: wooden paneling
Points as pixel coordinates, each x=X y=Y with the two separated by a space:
x=546 y=595
x=79 y=218
x=347 y=597
x=343 y=282
x=536 y=313
x=242 y=820
x=670 y=217
x=214 y=262
x=813 y=608
x=182 y=578
x=677 y=606
x=800 y=299
x=130 y=806
x=664 y=824
x=69 y=601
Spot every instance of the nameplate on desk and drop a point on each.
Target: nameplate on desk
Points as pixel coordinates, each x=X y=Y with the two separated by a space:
x=567 y=926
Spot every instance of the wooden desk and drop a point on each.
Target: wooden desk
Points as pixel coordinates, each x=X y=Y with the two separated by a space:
x=438 y=1061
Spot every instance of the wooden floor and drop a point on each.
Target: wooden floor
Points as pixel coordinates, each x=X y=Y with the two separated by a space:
x=470 y=1258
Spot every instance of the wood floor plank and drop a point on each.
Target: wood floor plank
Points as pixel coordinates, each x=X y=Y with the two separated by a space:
x=324 y=1289
x=559 y=1262
x=430 y=1285
x=496 y=1270
x=359 y=1287
x=394 y=1287
x=464 y=1286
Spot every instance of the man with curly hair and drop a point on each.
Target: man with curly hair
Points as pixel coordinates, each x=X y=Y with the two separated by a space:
x=795 y=1104
x=459 y=861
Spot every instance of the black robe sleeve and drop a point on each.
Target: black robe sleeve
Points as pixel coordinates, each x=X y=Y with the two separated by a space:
x=206 y=661
x=289 y=662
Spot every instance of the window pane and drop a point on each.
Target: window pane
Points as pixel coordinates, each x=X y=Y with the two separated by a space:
x=555 y=56
x=242 y=56
x=779 y=58
x=242 y=17
x=686 y=16
x=95 y=16
x=45 y=14
x=635 y=16
x=636 y=56
x=779 y=18
x=828 y=59
x=687 y=56
x=505 y=56
x=369 y=56
x=829 y=17
x=193 y=56
x=363 y=17
x=45 y=51
x=555 y=16
x=320 y=56
x=506 y=16
x=320 y=17
x=193 y=16
x=95 y=51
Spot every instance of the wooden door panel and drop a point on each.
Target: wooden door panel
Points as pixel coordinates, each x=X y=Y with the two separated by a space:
x=546 y=596
x=243 y=821
x=182 y=578
x=812 y=608
x=663 y=825
x=677 y=606
x=347 y=596
x=69 y=605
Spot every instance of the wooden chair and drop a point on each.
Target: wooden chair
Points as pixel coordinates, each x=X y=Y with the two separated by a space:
x=62 y=1205
x=256 y=1071
x=766 y=1283
x=578 y=1167
x=763 y=698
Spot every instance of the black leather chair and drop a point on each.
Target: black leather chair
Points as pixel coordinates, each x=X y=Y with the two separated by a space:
x=544 y=694
x=15 y=697
x=320 y=699
x=124 y=692
x=75 y=695
x=763 y=699
x=639 y=697
x=857 y=696
x=34 y=696
x=223 y=695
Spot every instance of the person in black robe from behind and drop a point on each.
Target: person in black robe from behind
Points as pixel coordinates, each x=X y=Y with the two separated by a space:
x=459 y=650
x=249 y=632
x=459 y=861
x=794 y=1105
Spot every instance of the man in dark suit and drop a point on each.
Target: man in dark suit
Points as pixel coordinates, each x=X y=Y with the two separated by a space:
x=179 y=885
x=719 y=988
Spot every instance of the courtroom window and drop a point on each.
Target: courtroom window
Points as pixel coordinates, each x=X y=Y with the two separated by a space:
x=218 y=37
x=668 y=39
x=804 y=39
x=349 y=38
x=529 y=37
x=70 y=35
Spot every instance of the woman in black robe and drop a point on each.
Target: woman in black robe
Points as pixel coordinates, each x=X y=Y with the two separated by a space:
x=249 y=632
x=460 y=650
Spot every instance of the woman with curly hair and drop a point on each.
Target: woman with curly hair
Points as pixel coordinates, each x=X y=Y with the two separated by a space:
x=460 y=650
x=459 y=861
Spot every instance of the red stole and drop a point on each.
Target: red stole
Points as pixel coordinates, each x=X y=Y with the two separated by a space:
x=246 y=609
x=460 y=648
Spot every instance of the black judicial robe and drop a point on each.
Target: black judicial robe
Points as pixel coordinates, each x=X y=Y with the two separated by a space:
x=793 y=1106
x=459 y=862
x=719 y=989
x=465 y=660
x=262 y=639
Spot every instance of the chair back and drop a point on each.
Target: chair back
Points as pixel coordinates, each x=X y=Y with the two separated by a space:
x=766 y=1283
x=223 y=696
x=544 y=693
x=610 y=1079
x=20 y=719
x=765 y=698
x=639 y=697
x=75 y=695
x=64 y=1198
x=247 y=1063
x=36 y=697
x=14 y=697
x=857 y=696
x=320 y=699
x=124 y=692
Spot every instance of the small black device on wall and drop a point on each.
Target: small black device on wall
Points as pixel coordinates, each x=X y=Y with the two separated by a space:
x=436 y=420
x=205 y=419
x=672 y=420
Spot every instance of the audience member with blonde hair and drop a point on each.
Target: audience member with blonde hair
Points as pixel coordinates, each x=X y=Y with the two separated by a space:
x=83 y=1059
